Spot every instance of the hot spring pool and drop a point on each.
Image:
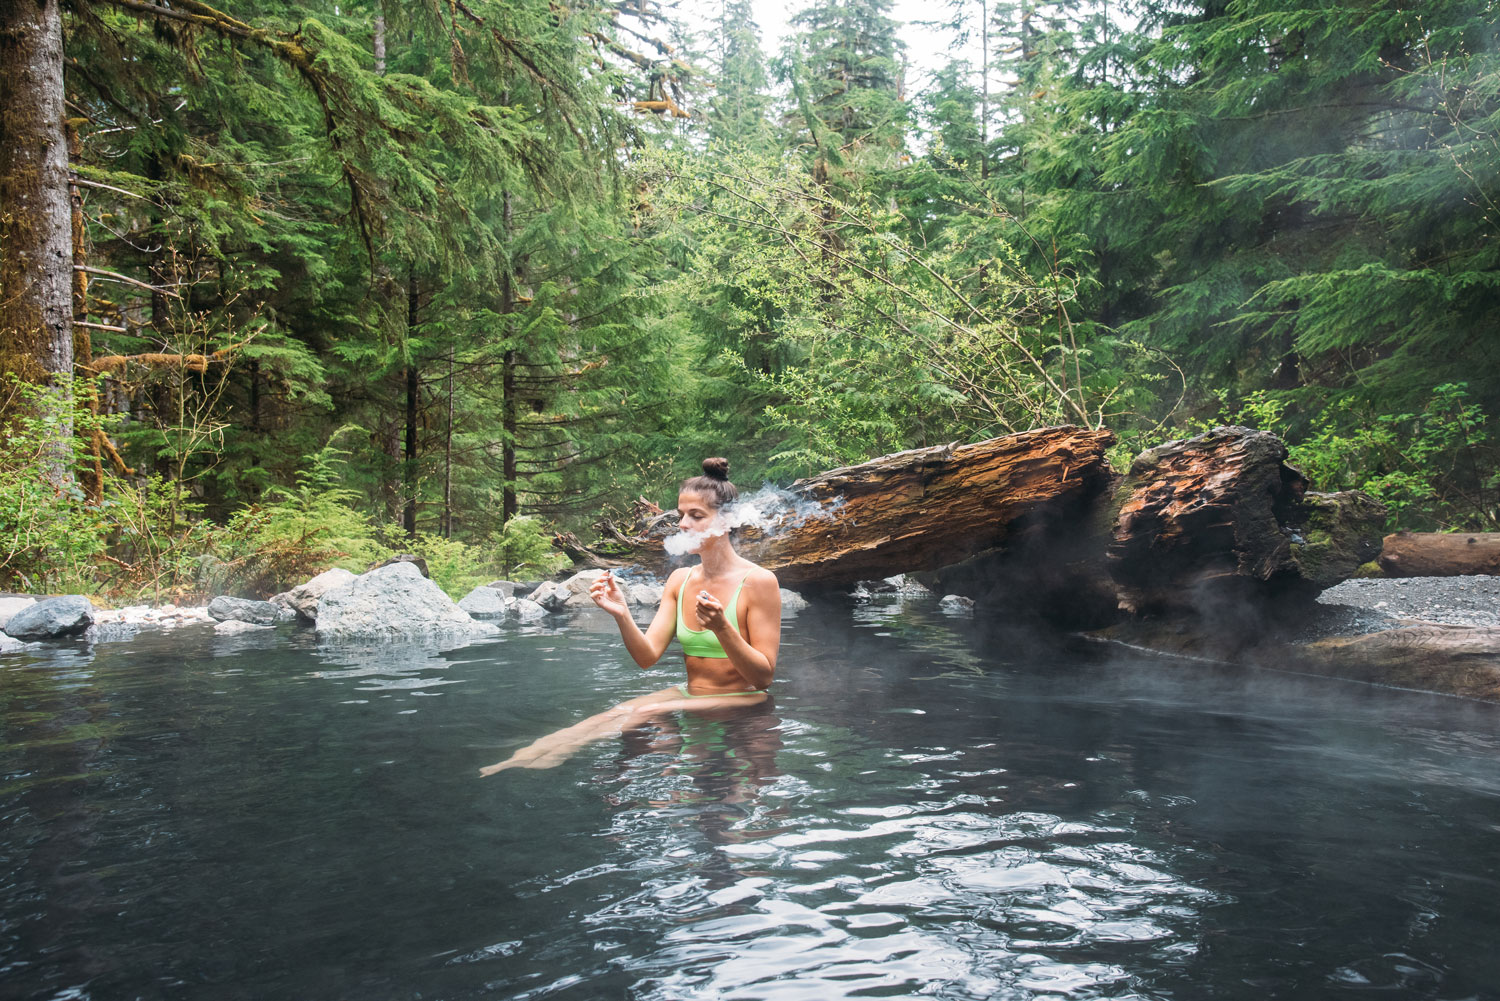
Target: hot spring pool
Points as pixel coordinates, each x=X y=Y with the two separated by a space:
x=928 y=808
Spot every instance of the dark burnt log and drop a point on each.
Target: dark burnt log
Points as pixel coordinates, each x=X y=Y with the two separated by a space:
x=917 y=510
x=1440 y=554
x=1209 y=522
x=587 y=558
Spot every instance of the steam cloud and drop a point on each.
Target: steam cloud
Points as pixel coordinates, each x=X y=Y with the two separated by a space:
x=770 y=509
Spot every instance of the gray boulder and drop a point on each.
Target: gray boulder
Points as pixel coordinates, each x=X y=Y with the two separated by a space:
x=526 y=610
x=509 y=587
x=9 y=606
x=257 y=613
x=576 y=589
x=411 y=558
x=572 y=593
x=792 y=602
x=112 y=632
x=484 y=602
x=546 y=594
x=645 y=595
x=303 y=599
x=394 y=601
x=52 y=618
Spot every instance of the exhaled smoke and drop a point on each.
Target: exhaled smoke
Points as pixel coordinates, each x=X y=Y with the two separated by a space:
x=770 y=509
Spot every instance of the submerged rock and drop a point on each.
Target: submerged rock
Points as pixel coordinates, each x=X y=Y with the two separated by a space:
x=115 y=631
x=393 y=601
x=9 y=644
x=303 y=599
x=52 y=618
x=260 y=613
x=229 y=627
x=956 y=604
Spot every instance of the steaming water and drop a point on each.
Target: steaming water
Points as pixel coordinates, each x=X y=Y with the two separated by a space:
x=928 y=809
x=770 y=509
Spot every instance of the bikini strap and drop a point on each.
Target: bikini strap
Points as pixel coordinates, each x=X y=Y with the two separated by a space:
x=732 y=610
x=681 y=593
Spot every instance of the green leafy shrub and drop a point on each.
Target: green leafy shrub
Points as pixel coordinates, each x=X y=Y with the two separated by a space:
x=1434 y=470
x=1437 y=469
x=155 y=539
x=50 y=538
x=301 y=531
x=455 y=566
x=524 y=549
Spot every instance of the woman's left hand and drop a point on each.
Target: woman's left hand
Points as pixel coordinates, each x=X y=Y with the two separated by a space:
x=711 y=613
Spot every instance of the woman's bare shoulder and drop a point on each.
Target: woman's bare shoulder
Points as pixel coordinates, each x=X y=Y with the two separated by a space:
x=762 y=579
x=674 y=582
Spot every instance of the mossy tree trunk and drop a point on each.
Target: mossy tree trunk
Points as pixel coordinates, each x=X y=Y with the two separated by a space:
x=36 y=245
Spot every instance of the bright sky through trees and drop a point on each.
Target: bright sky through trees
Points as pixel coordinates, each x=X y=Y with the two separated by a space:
x=926 y=48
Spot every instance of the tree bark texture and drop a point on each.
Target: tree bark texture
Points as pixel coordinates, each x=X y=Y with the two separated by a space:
x=413 y=387
x=916 y=510
x=1221 y=517
x=1440 y=554
x=509 y=502
x=1037 y=524
x=36 y=247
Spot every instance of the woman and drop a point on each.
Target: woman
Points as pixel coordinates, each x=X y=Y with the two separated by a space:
x=726 y=613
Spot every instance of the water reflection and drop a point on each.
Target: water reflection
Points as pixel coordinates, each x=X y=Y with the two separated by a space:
x=691 y=783
x=747 y=881
x=265 y=825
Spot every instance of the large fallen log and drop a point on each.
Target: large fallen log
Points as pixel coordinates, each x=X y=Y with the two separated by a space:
x=1221 y=518
x=1440 y=554
x=917 y=510
x=1036 y=524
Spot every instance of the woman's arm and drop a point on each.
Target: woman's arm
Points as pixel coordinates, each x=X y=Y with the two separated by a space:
x=755 y=657
x=645 y=648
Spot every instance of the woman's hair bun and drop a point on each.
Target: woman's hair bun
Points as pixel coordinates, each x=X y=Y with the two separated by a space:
x=716 y=468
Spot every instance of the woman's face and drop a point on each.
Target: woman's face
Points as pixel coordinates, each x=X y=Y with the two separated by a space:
x=695 y=515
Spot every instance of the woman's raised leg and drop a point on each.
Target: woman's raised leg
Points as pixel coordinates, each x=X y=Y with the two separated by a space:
x=555 y=748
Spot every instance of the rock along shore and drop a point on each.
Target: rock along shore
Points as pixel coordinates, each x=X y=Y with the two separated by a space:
x=1434 y=634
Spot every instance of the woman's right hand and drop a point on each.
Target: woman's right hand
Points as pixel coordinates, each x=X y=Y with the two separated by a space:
x=607 y=595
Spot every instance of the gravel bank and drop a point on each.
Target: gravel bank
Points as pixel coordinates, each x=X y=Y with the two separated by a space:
x=1363 y=606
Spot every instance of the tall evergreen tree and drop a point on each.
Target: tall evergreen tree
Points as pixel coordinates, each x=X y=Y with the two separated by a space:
x=844 y=65
x=740 y=109
x=1325 y=181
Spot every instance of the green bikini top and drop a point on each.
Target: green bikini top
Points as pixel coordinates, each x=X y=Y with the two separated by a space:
x=703 y=642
